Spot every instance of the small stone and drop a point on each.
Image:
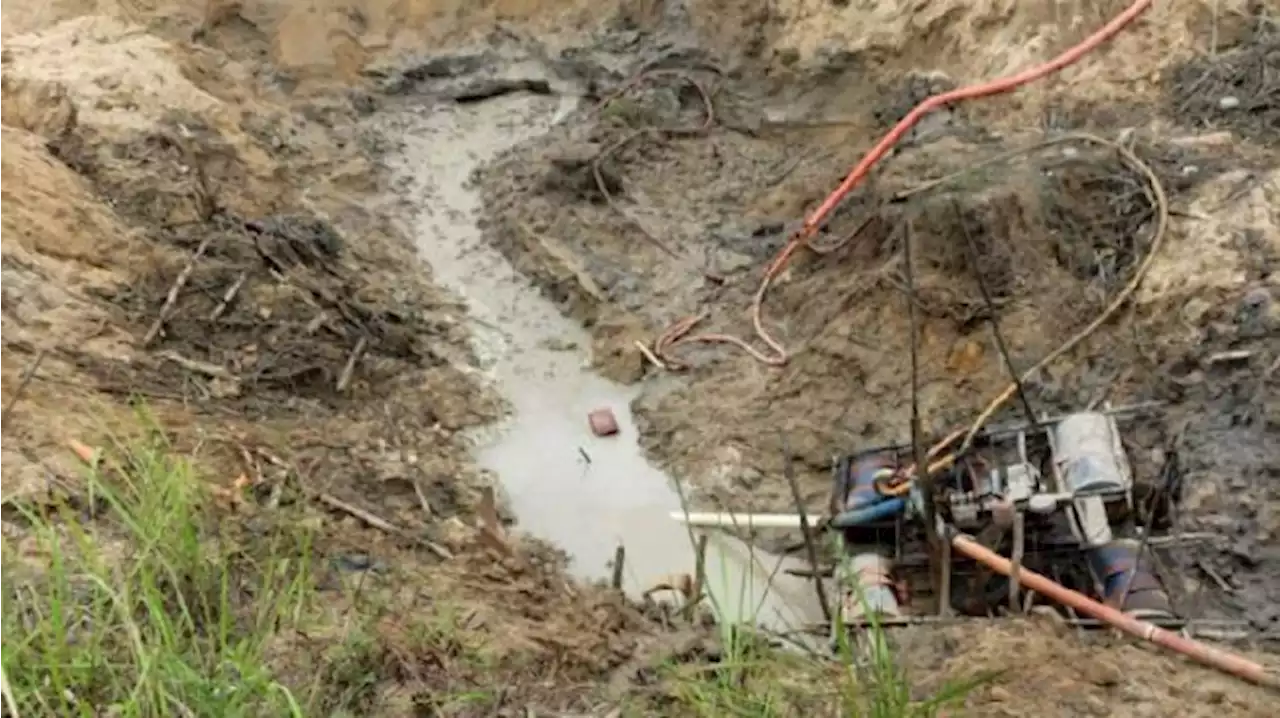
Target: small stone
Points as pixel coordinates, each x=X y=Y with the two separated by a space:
x=1256 y=297
x=1245 y=553
x=603 y=422
x=999 y=694
x=354 y=562
x=1097 y=706
x=1194 y=310
x=1229 y=102
x=557 y=344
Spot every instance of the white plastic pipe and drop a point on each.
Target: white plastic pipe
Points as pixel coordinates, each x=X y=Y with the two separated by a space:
x=709 y=519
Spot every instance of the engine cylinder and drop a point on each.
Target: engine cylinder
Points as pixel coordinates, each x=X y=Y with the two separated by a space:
x=1089 y=454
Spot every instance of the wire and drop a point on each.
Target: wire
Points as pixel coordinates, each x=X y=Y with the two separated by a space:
x=1160 y=201
x=777 y=354
x=971 y=248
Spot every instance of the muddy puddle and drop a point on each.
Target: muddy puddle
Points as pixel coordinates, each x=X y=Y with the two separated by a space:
x=581 y=493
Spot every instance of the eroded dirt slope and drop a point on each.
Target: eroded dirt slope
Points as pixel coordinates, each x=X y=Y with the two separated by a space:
x=184 y=229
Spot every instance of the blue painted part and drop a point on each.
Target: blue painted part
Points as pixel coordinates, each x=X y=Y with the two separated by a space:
x=1115 y=566
x=862 y=489
x=869 y=514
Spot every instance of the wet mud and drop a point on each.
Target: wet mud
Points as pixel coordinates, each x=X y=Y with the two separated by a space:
x=342 y=338
x=685 y=179
x=193 y=255
x=582 y=494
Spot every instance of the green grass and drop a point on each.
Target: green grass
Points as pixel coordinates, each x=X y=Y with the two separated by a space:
x=124 y=603
x=754 y=678
x=134 y=598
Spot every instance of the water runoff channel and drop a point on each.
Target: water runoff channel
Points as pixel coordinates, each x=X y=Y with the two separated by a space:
x=587 y=508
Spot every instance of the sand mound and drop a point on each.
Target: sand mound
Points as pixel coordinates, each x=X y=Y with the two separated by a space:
x=59 y=245
x=119 y=77
x=93 y=85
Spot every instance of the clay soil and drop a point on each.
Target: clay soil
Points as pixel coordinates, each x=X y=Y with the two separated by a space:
x=186 y=226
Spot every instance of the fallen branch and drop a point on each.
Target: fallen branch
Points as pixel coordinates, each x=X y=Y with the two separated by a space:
x=368 y=517
x=649 y=355
x=212 y=371
x=167 y=308
x=27 y=376
x=380 y=523
x=344 y=379
x=229 y=296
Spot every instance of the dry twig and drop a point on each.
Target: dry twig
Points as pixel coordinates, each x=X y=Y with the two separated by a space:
x=380 y=523
x=810 y=543
x=229 y=296
x=344 y=379
x=619 y=562
x=167 y=308
x=27 y=376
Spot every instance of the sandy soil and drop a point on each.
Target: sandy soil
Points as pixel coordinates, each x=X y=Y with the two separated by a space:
x=137 y=135
x=136 y=139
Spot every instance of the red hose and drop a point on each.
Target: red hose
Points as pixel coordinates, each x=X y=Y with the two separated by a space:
x=994 y=87
x=779 y=357
x=1205 y=654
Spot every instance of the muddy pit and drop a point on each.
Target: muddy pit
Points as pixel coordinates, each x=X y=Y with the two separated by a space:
x=564 y=486
x=310 y=176
x=646 y=208
x=649 y=209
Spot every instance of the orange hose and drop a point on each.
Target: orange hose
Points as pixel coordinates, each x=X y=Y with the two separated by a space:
x=1202 y=653
x=779 y=355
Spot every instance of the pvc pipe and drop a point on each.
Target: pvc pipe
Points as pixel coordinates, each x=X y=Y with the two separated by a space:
x=869 y=514
x=1231 y=663
x=710 y=519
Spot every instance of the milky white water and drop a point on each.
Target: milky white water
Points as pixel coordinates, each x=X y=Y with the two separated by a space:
x=586 y=507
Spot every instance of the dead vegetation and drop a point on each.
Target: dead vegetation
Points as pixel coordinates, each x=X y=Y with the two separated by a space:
x=177 y=236
x=308 y=394
x=1236 y=87
x=254 y=296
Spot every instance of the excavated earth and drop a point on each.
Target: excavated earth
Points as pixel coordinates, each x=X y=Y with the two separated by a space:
x=254 y=136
